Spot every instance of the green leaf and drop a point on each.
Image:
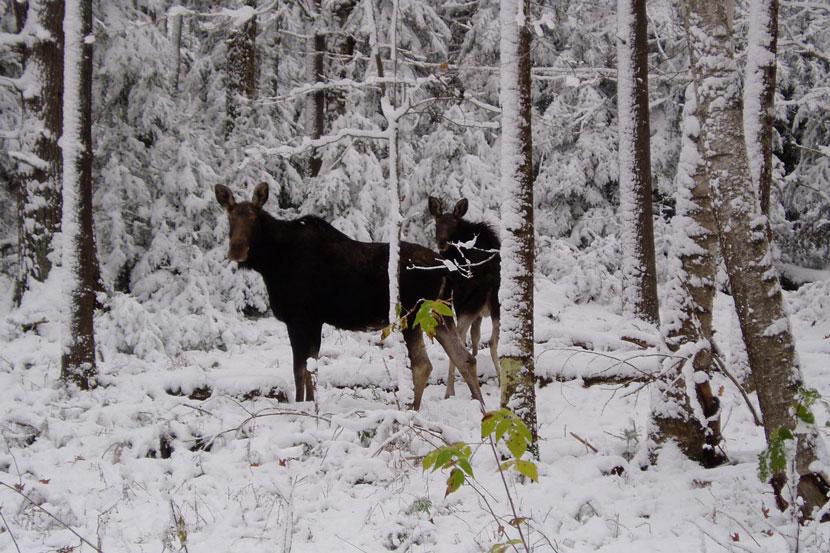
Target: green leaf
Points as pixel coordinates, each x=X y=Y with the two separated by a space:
x=488 y=423
x=441 y=308
x=507 y=464
x=529 y=469
x=385 y=332
x=465 y=465
x=429 y=459
x=517 y=445
x=502 y=427
x=454 y=481
x=763 y=466
x=444 y=455
x=803 y=412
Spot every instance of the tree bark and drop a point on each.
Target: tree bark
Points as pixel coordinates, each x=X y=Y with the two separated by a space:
x=240 y=69
x=743 y=237
x=639 y=271
x=39 y=186
x=759 y=95
x=78 y=357
x=317 y=100
x=517 y=250
x=687 y=324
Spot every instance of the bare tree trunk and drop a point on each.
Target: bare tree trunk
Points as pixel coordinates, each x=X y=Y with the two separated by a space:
x=39 y=189
x=78 y=358
x=639 y=271
x=759 y=95
x=743 y=233
x=317 y=103
x=517 y=250
x=687 y=322
x=176 y=43
x=240 y=69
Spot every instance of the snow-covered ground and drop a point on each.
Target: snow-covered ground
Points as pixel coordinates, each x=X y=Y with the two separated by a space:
x=176 y=454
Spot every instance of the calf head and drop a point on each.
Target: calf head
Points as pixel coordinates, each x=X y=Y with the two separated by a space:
x=446 y=224
x=243 y=218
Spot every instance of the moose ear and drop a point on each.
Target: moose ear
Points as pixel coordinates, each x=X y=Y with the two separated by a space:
x=460 y=208
x=260 y=194
x=435 y=206
x=224 y=196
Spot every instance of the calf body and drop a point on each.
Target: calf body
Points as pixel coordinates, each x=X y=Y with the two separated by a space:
x=317 y=275
x=474 y=248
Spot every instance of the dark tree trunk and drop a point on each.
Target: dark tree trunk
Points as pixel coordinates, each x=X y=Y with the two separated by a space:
x=517 y=362
x=240 y=70
x=759 y=111
x=318 y=98
x=39 y=185
x=78 y=358
x=639 y=271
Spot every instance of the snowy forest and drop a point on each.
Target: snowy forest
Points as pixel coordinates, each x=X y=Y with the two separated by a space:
x=415 y=276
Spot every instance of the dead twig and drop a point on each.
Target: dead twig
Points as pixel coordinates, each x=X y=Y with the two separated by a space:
x=584 y=442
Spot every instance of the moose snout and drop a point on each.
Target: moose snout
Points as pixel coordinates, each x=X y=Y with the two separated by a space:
x=238 y=252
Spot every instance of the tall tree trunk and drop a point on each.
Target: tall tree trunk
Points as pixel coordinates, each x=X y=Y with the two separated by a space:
x=687 y=323
x=317 y=100
x=240 y=69
x=39 y=189
x=176 y=43
x=743 y=236
x=78 y=358
x=639 y=272
x=517 y=250
x=759 y=95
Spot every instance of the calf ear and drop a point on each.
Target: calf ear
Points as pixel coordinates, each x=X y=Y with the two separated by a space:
x=260 y=194
x=224 y=196
x=460 y=208
x=435 y=207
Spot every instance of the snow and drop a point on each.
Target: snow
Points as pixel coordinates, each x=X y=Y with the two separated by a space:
x=344 y=473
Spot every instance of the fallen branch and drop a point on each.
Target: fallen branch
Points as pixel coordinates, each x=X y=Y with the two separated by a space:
x=584 y=442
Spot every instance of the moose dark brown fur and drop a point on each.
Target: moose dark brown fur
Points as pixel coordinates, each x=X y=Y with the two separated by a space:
x=475 y=287
x=315 y=274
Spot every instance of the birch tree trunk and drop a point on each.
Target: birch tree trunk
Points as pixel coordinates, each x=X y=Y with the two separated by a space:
x=743 y=236
x=759 y=95
x=517 y=248
x=639 y=271
x=687 y=323
x=241 y=69
x=39 y=187
x=78 y=356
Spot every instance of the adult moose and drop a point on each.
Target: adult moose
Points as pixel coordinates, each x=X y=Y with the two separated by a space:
x=474 y=248
x=315 y=274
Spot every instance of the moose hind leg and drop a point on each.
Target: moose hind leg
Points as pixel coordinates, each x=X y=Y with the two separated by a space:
x=464 y=322
x=475 y=335
x=305 y=343
x=494 y=347
x=462 y=358
x=419 y=363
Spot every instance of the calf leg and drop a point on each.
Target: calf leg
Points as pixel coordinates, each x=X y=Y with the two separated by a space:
x=464 y=322
x=418 y=361
x=459 y=355
x=305 y=342
x=475 y=335
x=494 y=347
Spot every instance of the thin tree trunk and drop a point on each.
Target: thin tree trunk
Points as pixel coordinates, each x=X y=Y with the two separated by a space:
x=743 y=236
x=39 y=189
x=687 y=323
x=240 y=69
x=317 y=100
x=639 y=271
x=78 y=358
x=517 y=250
x=759 y=95
x=176 y=43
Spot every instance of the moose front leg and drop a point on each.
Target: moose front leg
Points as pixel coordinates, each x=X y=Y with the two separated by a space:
x=305 y=342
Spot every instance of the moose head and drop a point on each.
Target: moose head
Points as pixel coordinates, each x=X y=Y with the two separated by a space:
x=446 y=224
x=243 y=219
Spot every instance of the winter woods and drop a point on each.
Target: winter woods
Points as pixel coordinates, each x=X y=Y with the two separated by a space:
x=652 y=169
